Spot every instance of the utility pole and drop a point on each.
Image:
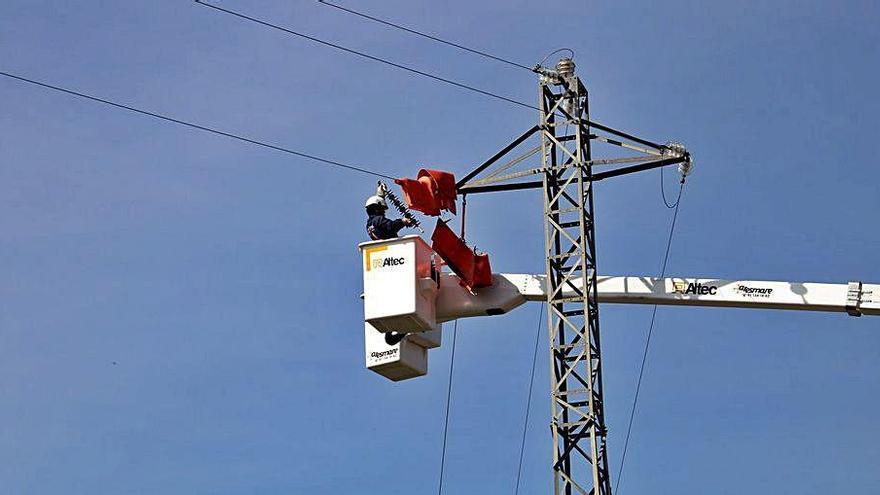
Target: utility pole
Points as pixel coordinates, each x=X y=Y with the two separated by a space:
x=580 y=455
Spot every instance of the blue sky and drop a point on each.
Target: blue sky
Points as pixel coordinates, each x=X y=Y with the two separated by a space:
x=222 y=278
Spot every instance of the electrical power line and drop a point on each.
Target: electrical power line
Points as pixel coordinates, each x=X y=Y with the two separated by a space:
x=411 y=70
x=632 y=412
x=663 y=192
x=193 y=125
x=522 y=447
x=448 y=401
x=365 y=55
x=425 y=35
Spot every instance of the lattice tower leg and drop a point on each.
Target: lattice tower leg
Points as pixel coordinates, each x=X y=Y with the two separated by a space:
x=580 y=463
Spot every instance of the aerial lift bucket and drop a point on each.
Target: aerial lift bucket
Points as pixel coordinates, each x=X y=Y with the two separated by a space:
x=400 y=294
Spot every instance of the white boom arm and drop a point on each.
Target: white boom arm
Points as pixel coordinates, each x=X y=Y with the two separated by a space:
x=406 y=300
x=511 y=290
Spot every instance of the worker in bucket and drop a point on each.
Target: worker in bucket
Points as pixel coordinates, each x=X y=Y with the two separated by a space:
x=378 y=226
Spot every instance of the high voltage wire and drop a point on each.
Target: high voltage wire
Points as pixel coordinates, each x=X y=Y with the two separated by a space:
x=448 y=401
x=632 y=412
x=193 y=125
x=366 y=55
x=417 y=71
x=522 y=447
x=663 y=192
x=425 y=35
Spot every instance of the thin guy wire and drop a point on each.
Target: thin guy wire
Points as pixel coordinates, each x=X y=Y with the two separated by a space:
x=632 y=412
x=192 y=125
x=365 y=55
x=522 y=447
x=424 y=35
x=448 y=400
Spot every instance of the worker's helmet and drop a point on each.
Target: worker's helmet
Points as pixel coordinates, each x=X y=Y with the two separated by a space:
x=376 y=200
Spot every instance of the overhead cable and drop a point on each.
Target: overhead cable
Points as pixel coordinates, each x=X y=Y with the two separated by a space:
x=425 y=35
x=365 y=55
x=522 y=446
x=448 y=401
x=193 y=125
x=411 y=70
x=632 y=412
x=554 y=52
x=663 y=192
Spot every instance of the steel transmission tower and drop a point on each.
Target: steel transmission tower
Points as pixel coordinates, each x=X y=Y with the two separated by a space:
x=578 y=418
x=580 y=455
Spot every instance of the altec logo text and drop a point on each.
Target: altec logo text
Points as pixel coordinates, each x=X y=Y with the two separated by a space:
x=381 y=261
x=387 y=262
x=696 y=289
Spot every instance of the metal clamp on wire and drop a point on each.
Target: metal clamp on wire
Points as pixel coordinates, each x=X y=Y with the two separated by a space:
x=564 y=68
x=676 y=149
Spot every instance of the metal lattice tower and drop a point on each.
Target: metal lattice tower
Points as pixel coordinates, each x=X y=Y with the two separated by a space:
x=580 y=456
x=578 y=419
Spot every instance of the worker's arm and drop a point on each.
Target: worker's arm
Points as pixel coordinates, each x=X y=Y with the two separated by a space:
x=384 y=228
x=396 y=225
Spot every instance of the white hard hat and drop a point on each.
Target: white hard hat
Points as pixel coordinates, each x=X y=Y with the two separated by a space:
x=376 y=200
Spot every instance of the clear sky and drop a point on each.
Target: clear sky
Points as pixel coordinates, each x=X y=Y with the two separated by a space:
x=179 y=312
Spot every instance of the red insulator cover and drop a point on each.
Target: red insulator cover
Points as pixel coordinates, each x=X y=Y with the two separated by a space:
x=472 y=268
x=430 y=192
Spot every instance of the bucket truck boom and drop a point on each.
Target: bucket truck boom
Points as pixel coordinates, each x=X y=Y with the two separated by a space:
x=407 y=298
